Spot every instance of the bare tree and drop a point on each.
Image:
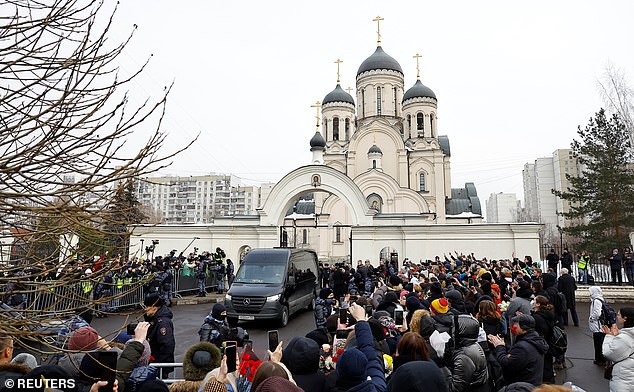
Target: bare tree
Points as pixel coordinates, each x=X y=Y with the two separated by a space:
x=65 y=123
x=618 y=96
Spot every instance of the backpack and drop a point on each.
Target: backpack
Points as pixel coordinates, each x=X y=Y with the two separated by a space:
x=558 y=299
x=558 y=341
x=608 y=315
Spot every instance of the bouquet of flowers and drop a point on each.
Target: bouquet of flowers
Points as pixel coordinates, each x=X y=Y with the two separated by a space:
x=504 y=305
x=249 y=364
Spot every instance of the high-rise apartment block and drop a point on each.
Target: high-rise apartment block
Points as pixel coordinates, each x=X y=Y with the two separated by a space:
x=197 y=199
x=503 y=208
x=540 y=178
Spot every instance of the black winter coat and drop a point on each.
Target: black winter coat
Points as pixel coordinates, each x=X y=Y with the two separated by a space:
x=567 y=285
x=161 y=336
x=524 y=361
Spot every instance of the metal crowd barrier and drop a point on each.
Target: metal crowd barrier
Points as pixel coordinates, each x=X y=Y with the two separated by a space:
x=601 y=272
x=160 y=367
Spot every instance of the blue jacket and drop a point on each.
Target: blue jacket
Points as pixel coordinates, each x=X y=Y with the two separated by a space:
x=365 y=343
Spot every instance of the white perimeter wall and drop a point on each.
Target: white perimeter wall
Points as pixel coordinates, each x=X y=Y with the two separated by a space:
x=494 y=241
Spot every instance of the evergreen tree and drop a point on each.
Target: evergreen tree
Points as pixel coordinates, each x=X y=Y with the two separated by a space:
x=125 y=210
x=601 y=197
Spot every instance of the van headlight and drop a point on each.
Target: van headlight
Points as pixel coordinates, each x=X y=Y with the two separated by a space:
x=227 y=297
x=273 y=298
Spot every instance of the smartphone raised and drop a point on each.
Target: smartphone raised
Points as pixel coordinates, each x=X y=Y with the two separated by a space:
x=368 y=310
x=274 y=340
x=129 y=329
x=472 y=282
x=343 y=316
x=398 y=318
x=232 y=355
x=108 y=362
x=343 y=334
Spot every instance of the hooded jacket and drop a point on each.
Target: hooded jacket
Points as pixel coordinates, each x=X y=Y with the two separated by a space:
x=469 y=362
x=620 y=350
x=524 y=361
x=596 y=297
x=194 y=372
x=301 y=357
x=9 y=371
x=417 y=376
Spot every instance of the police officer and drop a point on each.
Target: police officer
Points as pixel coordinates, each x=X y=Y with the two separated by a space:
x=215 y=328
x=230 y=272
x=166 y=285
x=161 y=332
x=201 y=276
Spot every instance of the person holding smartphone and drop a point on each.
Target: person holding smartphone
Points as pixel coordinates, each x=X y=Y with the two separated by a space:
x=356 y=364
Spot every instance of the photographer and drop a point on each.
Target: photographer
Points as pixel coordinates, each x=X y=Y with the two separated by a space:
x=201 y=276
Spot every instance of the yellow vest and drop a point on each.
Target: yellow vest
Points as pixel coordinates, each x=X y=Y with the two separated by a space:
x=583 y=262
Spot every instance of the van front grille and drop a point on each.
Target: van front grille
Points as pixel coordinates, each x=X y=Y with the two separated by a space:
x=248 y=304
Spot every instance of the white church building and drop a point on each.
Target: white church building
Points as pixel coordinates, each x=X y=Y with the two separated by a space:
x=379 y=185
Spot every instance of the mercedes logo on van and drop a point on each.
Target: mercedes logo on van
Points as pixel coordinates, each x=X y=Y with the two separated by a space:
x=247 y=301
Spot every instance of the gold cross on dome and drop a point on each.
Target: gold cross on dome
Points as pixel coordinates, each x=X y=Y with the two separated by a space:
x=417 y=56
x=349 y=90
x=338 y=62
x=317 y=106
x=378 y=20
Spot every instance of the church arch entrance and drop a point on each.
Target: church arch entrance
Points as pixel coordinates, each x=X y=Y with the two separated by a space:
x=390 y=255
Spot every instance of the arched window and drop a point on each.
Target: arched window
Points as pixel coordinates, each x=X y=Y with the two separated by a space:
x=419 y=122
x=304 y=236
x=409 y=122
x=395 y=103
x=374 y=164
x=335 y=128
x=347 y=128
x=338 y=234
x=363 y=102
x=326 y=129
x=378 y=100
x=422 y=183
x=431 y=120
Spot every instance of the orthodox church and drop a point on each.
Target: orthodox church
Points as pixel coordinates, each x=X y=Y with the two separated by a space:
x=379 y=185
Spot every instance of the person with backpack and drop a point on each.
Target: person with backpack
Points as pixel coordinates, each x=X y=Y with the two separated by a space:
x=595 y=324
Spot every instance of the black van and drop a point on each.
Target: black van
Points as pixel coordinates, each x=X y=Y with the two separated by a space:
x=272 y=284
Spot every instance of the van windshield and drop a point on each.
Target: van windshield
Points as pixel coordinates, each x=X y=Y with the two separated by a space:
x=262 y=270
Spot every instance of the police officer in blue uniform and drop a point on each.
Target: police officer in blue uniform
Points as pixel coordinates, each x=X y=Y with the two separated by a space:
x=161 y=332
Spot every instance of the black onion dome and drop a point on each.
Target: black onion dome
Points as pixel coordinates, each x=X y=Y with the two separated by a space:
x=338 y=95
x=317 y=141
x=418 y=90
x=379 y=60
x=374 y=149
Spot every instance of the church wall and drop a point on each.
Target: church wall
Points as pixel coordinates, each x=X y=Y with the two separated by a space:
x=414 y=242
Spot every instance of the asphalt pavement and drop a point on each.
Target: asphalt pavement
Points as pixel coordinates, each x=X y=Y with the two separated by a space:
x=188 y=318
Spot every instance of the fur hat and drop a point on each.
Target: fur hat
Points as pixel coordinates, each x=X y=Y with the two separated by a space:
x=153 y=299
x=83 y=339
x=200 y=359
x=440 y=305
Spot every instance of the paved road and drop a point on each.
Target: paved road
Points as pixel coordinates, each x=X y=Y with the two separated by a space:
x=188 y=318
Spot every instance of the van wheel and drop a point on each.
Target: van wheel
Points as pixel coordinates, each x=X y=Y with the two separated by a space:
x=284 y=318
x=311 y=305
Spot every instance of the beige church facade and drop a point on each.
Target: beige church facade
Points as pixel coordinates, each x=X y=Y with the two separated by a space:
x=379 y=184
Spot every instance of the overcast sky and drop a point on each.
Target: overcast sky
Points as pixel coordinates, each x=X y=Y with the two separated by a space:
x=513 y=79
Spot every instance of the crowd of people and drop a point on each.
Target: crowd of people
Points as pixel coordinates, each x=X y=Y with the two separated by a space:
x=451 y=324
